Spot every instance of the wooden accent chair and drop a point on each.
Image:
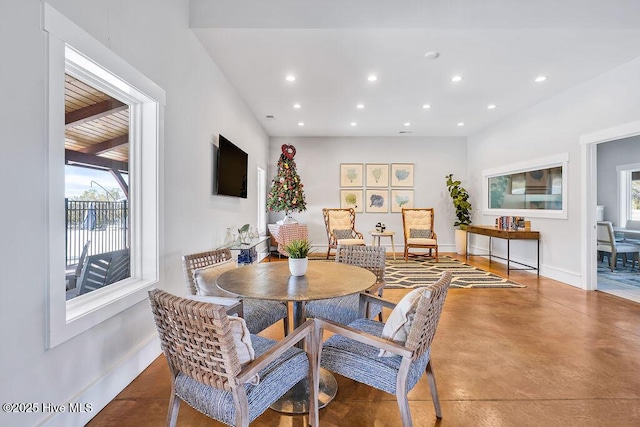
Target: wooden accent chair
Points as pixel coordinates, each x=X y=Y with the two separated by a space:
x=197 y=339
x=418 y=230
x=346 y=309
x=259 y=314
x=355 y=351
x=341 y=228
x=608 y=246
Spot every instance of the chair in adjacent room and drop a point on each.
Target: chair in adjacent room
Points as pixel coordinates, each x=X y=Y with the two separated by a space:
x=201 y=271
x=392 y=356
x=73 y=275
x=346 y=309
x=418 y=231
x=341 y=228
x=607 y=246
x=222 y=370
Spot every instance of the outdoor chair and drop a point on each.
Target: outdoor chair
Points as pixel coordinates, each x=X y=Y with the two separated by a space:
x=103 y=269
x=200 y=271
x=608 y=246
x=72 y=276
x=345 y=309
x=341 y=228
x=418 y=231
x=222 y=370
x=390 y=357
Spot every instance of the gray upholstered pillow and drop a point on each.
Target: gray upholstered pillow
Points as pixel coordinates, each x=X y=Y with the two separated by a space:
x=342 y=234
x=419 y=233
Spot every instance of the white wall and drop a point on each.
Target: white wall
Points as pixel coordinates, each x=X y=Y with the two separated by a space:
x=318 y=164
x=610 y=155
x=553 y=127
x=154 y=37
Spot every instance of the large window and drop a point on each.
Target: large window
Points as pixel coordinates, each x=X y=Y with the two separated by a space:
x=131 y=159
x=536 y=188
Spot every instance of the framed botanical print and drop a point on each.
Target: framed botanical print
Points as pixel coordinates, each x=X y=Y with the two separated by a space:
x=351 y=174
x=377 y=174
x=402 y=174
x=377 y=200
x=401 y=199
x=351 y=199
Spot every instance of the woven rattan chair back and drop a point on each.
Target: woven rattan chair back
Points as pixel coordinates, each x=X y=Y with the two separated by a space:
x=427 y=316
x=200 y=260
x=196 y=339
x=370 y=257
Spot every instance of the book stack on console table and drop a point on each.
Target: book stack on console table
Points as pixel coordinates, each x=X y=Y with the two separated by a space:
x=513 y=223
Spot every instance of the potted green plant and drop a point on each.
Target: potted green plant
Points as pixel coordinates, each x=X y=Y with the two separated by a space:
x=298 y=251
x=462 y=206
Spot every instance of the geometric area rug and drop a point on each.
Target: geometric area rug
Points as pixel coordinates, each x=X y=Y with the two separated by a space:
x=422 y=271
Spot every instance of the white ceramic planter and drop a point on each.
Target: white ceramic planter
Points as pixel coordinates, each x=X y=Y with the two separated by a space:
x=461 y=242
x=298 y=266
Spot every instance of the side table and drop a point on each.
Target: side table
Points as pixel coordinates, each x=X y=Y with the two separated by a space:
x=378 y=234
x=286 y=233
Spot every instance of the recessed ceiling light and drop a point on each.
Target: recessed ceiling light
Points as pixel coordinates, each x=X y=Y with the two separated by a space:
x=354 y=124
x=291 y=78
x=372 y=78
x=360 y=106
x=461 y=124
x=407 y=124
x=491 y=106
x=456 y=79
x=431 y=55
x=541 y=79
x=300 y=123
x=426 y=106
x=297 y=106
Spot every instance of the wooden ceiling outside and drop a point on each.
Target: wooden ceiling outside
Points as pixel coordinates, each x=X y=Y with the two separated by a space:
x=96 y=123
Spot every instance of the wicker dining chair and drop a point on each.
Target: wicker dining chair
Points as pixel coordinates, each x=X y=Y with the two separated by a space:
x=203 y=357
x=259 y=314
x=418 y=231
x=341 y=228
x=354 y=351
x=346 y=309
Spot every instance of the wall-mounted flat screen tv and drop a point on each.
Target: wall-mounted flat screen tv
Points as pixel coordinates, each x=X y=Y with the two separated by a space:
x=230 y=169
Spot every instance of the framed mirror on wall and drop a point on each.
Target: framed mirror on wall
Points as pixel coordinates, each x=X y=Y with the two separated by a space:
x=535 y=188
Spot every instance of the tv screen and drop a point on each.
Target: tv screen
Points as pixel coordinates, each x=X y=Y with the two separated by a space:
x=231 y=170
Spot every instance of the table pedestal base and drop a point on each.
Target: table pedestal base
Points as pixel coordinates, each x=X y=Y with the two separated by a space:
x=296 y=400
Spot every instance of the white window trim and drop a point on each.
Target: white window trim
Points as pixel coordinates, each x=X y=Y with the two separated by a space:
x=624 y=190
x=543 y=163
x=262 y=202
x=67 y=319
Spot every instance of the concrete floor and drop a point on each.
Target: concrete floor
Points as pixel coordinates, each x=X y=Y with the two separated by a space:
x=545 y=355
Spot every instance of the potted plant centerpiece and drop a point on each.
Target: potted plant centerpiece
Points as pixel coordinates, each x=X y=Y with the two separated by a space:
x=298 y=251
x=460 y=199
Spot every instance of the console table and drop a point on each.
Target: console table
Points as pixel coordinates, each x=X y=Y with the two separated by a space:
x=248 y=253
x=508 y=235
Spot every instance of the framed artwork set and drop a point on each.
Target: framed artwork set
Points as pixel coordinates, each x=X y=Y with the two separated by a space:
x=387 y=187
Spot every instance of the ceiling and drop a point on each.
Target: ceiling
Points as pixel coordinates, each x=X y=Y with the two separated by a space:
x=96 y=127
x=498 y=46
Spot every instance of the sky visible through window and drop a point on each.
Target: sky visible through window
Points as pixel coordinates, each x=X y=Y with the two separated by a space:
x=78 y=179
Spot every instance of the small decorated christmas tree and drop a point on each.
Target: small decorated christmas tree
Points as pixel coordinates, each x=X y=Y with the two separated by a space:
x=286 y=189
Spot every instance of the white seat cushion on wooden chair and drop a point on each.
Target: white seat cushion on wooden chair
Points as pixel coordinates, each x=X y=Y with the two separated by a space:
x=420 y=241
x=351 y=242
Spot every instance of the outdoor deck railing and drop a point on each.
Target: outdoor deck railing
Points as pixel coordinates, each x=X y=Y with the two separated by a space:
x=105 y=224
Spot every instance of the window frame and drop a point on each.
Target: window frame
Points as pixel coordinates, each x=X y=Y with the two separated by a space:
x=71 y=49
x=625 y=206
x=561 y=160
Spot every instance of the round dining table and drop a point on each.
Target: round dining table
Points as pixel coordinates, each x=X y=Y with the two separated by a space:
x=273 y=281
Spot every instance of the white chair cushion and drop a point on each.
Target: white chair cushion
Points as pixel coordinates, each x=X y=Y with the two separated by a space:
x=401 y=318
x=351 y=242
x=417 y=219
x=417 y=241
x=339 y=220
x=244 y=347
x=205 y=278
x=213 y=300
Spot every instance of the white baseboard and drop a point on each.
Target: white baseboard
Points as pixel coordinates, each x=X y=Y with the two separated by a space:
x=105 y=389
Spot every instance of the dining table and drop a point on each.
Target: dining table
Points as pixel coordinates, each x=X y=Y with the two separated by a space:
x=273 y=281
